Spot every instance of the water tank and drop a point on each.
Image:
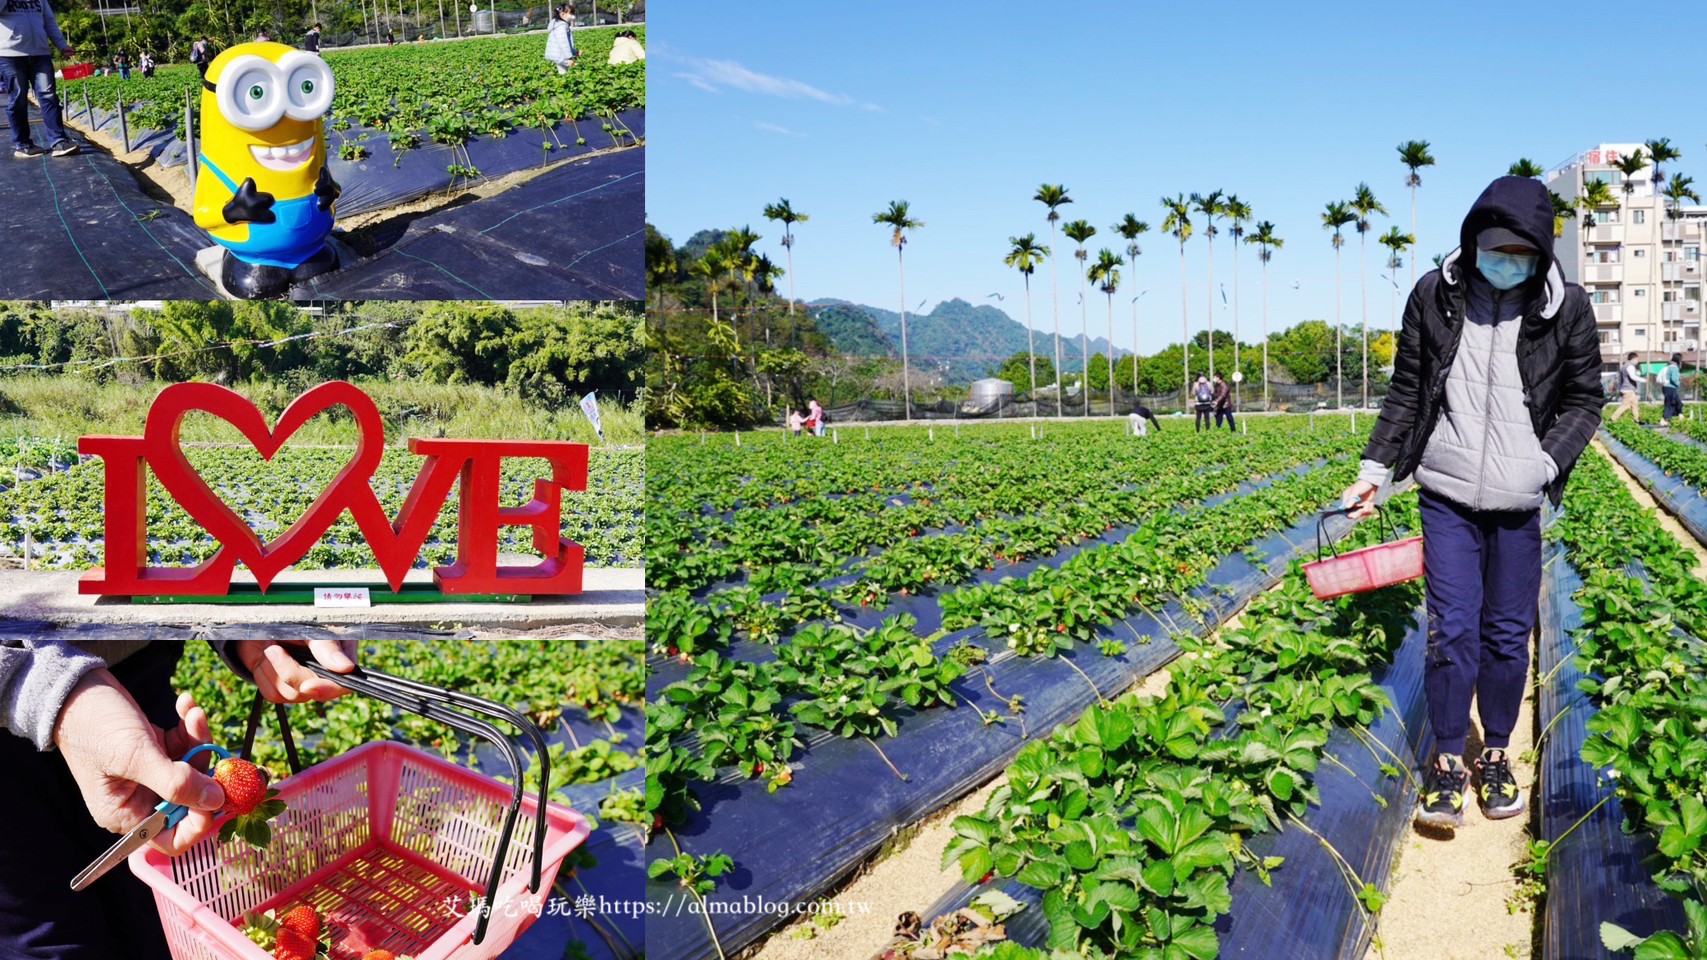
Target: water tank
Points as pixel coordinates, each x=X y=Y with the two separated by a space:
x=991 y=391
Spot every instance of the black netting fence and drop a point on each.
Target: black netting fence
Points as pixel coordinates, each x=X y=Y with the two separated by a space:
x=1282 y=398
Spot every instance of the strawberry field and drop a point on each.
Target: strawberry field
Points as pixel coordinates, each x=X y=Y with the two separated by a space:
x=52 y=510
x=845 y=637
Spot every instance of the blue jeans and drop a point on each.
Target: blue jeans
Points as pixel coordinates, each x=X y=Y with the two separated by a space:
x=1484 y=581
x=20 y=74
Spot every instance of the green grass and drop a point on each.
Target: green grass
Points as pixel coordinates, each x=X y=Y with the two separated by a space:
x=63 y=407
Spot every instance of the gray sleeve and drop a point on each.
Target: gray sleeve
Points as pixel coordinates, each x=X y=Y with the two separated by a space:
x=36 y=677
x=52 y=25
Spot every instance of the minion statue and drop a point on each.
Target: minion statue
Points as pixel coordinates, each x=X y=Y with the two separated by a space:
x=262 y=188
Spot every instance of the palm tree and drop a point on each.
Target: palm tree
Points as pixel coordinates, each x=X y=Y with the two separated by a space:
x=1238 y=212
x=1105 y=273
x=1396 y=243
x=1178 y=223
x=1266 y=243
x=1661 y=152
x=1525 y=167
x=1596 y=194
x=899 y=220
x=1211 y=205
x=1562 y=211
x=1025 y=254
x=1337 y=215
x=1079 y=231
x=1414 y=154
x=1363 y=203
x=1130 y=227
x=1054 y=196
x=661 y=264
x=1678 y=189
x=781 y=212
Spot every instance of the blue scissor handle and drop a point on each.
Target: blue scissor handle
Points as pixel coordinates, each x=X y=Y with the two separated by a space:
x=175 y=811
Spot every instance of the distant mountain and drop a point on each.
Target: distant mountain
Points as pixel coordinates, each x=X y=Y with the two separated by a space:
x=965 y=341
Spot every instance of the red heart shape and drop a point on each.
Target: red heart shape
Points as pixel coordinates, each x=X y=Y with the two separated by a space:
x=167 y=460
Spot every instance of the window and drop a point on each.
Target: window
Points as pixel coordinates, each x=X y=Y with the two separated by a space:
x=1608 y=336
x=1671 y=336
x=1639 y=216
x=1640 y=253
x=1668 y=256
x=1668 y=296
x=1611 y=178
x=1641 y=333
x=1640 y=292
x=1692 y=252
x=1692 y=293
x=1607 y=255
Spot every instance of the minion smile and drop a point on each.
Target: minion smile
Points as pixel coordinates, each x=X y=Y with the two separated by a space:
x=284 y=158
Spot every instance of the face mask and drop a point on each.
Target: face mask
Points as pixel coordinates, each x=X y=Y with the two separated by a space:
x=1505 y=270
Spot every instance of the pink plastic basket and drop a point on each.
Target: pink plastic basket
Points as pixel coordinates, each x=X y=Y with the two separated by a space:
x=1358 y=571
x=379 y=841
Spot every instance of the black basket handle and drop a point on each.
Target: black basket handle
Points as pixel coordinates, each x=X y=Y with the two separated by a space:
x=1322 y=536
x=432 y=702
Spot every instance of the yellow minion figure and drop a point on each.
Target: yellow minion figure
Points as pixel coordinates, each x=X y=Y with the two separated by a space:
x=262 y=189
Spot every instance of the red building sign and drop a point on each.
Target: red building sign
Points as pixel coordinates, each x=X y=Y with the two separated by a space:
x=396 y=541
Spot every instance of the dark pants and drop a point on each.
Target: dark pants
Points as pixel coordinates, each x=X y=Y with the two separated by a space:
x=1484 y=582
x=20 y=75
x=1224 y=412
x=1203 y=416
x=50 y=837
x=1673 y=404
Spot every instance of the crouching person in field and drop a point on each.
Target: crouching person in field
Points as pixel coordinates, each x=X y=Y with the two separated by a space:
x=1495 y=393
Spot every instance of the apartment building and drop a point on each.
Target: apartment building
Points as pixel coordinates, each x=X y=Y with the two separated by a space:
x=1640 y=260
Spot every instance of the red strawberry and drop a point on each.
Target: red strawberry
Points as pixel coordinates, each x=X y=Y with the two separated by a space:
x=245 y=785
x=293 y=946
x=304 y=921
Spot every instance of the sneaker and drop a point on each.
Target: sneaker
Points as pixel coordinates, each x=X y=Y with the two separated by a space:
x=28 y=151
x=1498 y=789
x=1442 y=800
x=65 y=148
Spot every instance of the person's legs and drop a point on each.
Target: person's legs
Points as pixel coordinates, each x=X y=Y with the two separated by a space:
x=1511 y=589
x=40 y=917
x=47 y=95
x=15 y=72
x=1452 y=554
x=1626 y=404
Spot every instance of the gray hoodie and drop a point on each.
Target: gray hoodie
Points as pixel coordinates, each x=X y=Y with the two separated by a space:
x=28 y=29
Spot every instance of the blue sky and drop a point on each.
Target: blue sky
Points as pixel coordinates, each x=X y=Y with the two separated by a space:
x=963 y=109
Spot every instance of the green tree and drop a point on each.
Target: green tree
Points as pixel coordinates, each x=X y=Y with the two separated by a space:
x=1396 y=243
x=1105 y=273
x=786 y=215
x=1210 y=205
x=1335 y=217
x=1131 y=228
x=1024 y=254
x=1267 y=242
x=1525 y=167
x=898 y=218
x=1596 y=194
x=1177 y=221
x=1238 y=214
x=1054 y=197
x=1021 y=370
x=1303 y=351
x=1079 y=231
x=1414 y=155
x=460 y=342
x=1363 y=203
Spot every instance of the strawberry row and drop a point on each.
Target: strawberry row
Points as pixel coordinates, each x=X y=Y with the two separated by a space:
x=1133 y=821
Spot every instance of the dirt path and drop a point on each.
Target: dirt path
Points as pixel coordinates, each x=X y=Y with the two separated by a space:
x=908 y=877
x=1450 y=890
x=1647 y=502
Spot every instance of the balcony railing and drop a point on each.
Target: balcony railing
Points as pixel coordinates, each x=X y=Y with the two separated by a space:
x=1603 y=233
x=1681 y=310
x=1609 y=313
x=1605 y=272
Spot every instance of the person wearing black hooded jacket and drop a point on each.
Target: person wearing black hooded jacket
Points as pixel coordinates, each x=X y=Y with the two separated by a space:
x=1495 y=393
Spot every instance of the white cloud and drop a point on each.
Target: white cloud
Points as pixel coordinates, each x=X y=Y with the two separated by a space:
x=774 y=128
x=716 y=76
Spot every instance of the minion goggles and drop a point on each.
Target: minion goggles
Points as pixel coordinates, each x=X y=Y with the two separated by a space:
x=254 y=93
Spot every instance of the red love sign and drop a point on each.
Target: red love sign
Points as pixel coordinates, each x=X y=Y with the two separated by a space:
x=396 y=543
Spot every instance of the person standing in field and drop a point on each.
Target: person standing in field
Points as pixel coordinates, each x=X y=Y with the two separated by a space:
x=1629 y=387
x=29 y=35
x=1223 y=402
x=1671 y=384
x=560 y=39
x=1495 y=393
x=201 y=54
x=145 y=63
x=815 y=417
x=311 y=42
x=794 y=422
x=1205 y=395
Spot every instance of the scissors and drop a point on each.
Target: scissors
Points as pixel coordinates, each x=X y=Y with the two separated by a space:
x=165 y=817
